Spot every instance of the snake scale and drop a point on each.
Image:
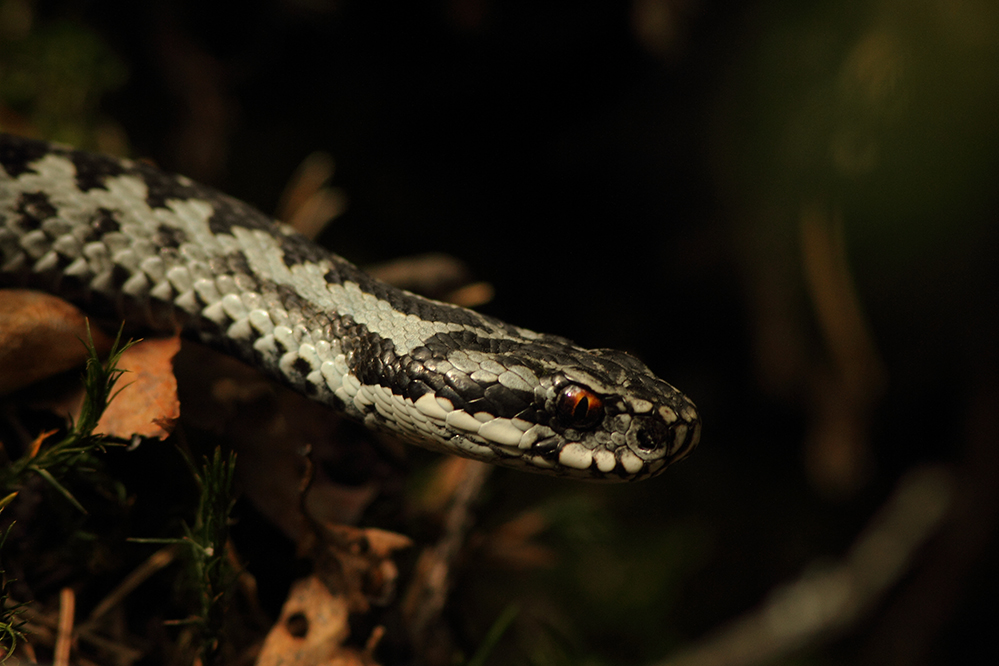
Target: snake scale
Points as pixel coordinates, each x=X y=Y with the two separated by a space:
x=124 y=240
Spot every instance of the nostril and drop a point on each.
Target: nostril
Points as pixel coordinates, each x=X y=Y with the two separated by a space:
x=646 y=441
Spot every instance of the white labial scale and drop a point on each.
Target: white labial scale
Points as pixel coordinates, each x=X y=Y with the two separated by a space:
x=501 y=431
x=576 y=456
x=679 y=436
x=463 y=421
x=631 y=463
x=605 y=460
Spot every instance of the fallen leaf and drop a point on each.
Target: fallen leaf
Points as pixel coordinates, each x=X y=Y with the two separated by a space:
x=311 y=631
x=358 y=562
x=147 y=403
x=40 y=336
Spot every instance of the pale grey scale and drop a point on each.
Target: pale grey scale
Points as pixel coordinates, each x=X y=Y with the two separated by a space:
x=162 y=251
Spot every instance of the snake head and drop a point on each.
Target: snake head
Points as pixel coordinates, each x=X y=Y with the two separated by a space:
x=542 y=404
x=613 y=419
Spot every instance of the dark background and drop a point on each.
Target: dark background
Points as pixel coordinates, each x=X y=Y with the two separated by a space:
x=634 y=175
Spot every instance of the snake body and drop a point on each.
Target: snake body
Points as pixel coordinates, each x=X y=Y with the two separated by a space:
x=124 y=240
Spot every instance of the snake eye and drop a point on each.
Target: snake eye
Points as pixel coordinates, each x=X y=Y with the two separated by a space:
x=579 y=407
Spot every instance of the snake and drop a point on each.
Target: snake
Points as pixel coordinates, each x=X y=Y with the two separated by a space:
x=127 y=242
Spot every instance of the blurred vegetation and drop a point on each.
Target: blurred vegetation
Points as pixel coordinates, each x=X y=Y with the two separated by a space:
x=788 y=210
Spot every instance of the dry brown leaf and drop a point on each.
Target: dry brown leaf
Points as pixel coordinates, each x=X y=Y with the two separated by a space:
x=40 y=336
x=311 y=631
x=359 y=563
x=147 y=403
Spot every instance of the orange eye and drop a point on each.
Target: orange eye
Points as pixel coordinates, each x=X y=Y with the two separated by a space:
x=579 y=407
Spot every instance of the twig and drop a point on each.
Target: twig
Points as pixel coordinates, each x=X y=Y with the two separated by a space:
x=154 y=563
x=824 y=602
x=64 y=631
x=427 y=594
